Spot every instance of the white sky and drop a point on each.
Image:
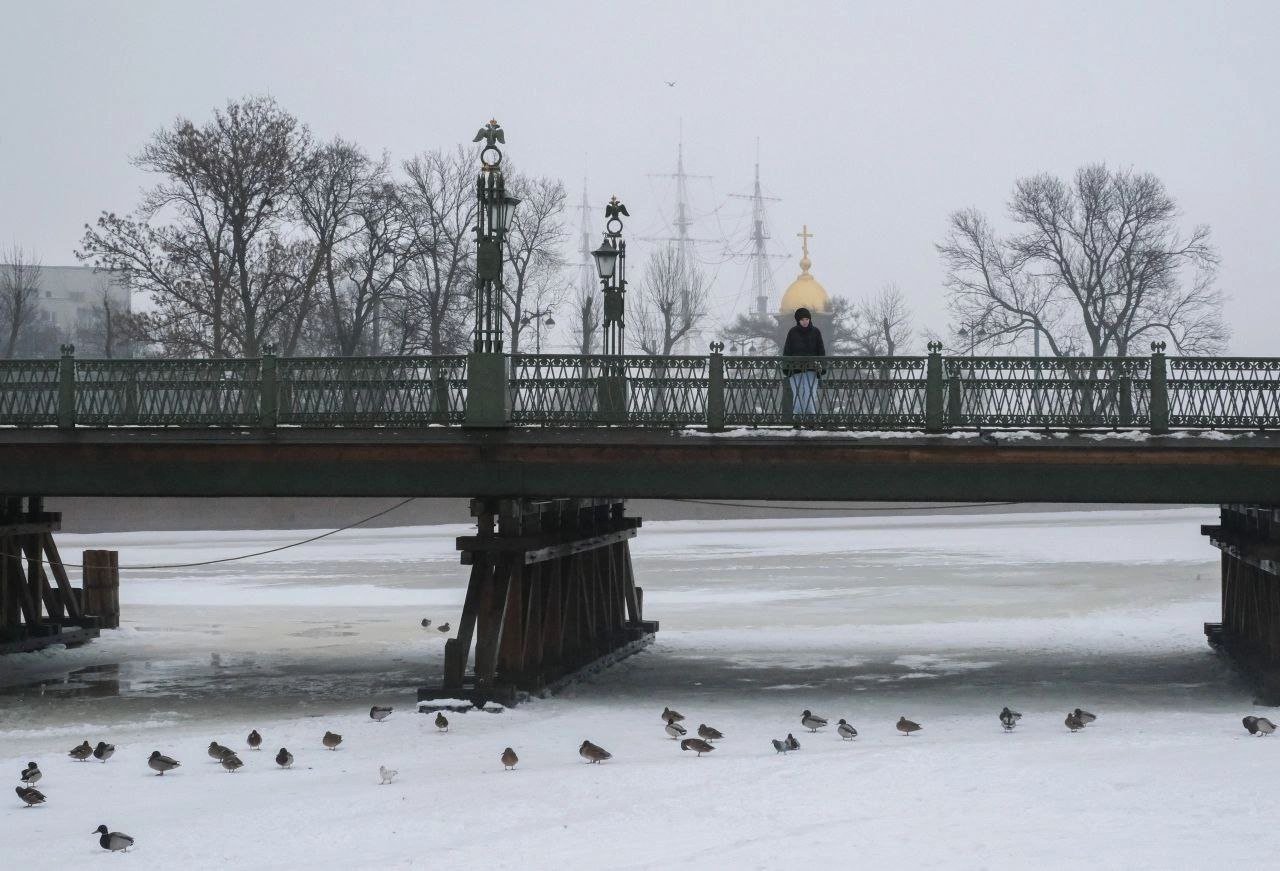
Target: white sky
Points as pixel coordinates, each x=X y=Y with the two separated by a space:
x=875 y=119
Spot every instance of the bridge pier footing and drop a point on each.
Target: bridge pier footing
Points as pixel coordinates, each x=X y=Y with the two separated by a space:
x=38 y=605
x=552 y=593
x=1249 y=633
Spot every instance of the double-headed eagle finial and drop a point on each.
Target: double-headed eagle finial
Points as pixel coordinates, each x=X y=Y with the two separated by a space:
x=615 y=209
x=491 y=133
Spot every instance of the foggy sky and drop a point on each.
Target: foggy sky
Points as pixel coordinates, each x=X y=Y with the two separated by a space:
x=875 y=120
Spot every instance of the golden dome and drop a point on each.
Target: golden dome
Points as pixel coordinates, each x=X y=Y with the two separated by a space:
x=805 y=291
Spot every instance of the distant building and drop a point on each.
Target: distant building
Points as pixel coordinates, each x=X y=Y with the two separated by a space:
x=72 y=304
x=806 y=292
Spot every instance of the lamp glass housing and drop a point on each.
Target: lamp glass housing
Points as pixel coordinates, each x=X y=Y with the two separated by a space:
x=606 y=259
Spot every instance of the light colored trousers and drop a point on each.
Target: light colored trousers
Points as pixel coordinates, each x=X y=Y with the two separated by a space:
x=804 y=393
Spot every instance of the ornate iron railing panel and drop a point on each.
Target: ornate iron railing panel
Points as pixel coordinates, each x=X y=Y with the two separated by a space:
x=28 y=392
x=372 y=391
x=167 y=392
x=597 y=389
x=854 y=392
x=1071 y=392
x=1228 y=392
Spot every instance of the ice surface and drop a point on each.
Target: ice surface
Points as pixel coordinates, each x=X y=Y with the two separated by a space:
x=942 y=618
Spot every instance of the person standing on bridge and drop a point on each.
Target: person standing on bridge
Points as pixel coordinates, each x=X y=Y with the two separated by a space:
x=803 y=340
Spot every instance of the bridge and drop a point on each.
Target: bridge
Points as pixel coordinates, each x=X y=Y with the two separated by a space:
x=548 y=447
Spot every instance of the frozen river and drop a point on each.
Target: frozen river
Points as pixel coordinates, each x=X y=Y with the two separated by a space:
x=941 y=616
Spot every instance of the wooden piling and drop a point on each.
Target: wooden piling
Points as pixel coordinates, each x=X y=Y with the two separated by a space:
x=551 y=591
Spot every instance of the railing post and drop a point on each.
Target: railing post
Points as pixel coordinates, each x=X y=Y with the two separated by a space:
x=268 y=389
x=488 y=392
x=715 y=388
x=67 y=388
x=934 y=415
x=1159 y=391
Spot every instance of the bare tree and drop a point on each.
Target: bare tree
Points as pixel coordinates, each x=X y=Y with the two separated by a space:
x=108 y=328
x=585 y=317
x=1098 y=266
x=362 y=240
x=874 y=326
x=755 y=330
x=19 y=295
x=207 y=243
x=431 y=305
x=672 y=301
x=533 y=253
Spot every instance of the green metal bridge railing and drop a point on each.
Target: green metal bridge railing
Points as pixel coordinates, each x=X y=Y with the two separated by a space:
x=932 y=393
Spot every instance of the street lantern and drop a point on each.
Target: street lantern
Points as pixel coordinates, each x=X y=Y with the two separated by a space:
x=501 y=210
x=606 y=259
x=549 y=322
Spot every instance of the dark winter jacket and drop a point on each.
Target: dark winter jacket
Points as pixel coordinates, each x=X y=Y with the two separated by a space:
x=803 y=342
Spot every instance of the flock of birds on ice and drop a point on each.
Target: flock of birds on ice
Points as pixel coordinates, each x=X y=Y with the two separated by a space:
x=704 y=743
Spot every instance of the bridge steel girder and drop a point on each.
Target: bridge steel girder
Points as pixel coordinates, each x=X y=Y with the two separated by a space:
x=636 y=464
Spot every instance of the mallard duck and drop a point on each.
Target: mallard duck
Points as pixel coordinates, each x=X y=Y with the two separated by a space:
x=443 y=627
x=780 y=746
x=103 y=751
x=81 y=752
x=812 y=722
x=592 y=753
x=231 y=762
x=160 y=763
x=707 y=733
x=509 y=759
x=31 y=774
x=442 y=722
x=217 y=751
x=331 y=740
x=668 y=714
x=1251 y=723
x=675 y=730
x=113 y=841
x=906 y=726
x=30 y=795
x=1074 y=723
x=1265 y=726
x=284 y=758
x=378 y=714
x=697 y=745
x=1008 y=718
x=845 y=731
x=792 y=743
x=1084 y=716
x=254 y=740
x=386 y=774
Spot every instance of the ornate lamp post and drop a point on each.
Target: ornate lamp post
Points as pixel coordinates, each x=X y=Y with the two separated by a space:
x=611 y=263
x=488 y=399
x=492 y=221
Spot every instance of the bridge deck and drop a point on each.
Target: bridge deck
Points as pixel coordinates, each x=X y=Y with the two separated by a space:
x=637 y=463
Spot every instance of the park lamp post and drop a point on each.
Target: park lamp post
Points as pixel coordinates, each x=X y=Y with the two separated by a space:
x=611 y=264
x=488 y=399
x=493 y=218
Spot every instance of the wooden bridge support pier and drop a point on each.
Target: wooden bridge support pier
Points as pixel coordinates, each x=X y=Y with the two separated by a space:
x=38 y=605
x=551 y=592
x=1249 y=538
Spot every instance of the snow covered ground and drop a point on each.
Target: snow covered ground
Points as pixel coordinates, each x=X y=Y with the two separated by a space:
x=940 y=617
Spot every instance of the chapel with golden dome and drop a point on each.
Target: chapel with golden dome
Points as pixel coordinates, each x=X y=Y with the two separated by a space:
x=806 y=292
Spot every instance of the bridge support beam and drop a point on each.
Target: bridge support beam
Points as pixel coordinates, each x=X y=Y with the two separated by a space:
x=38 y=605
x=1249 y=538
x=552 y=592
